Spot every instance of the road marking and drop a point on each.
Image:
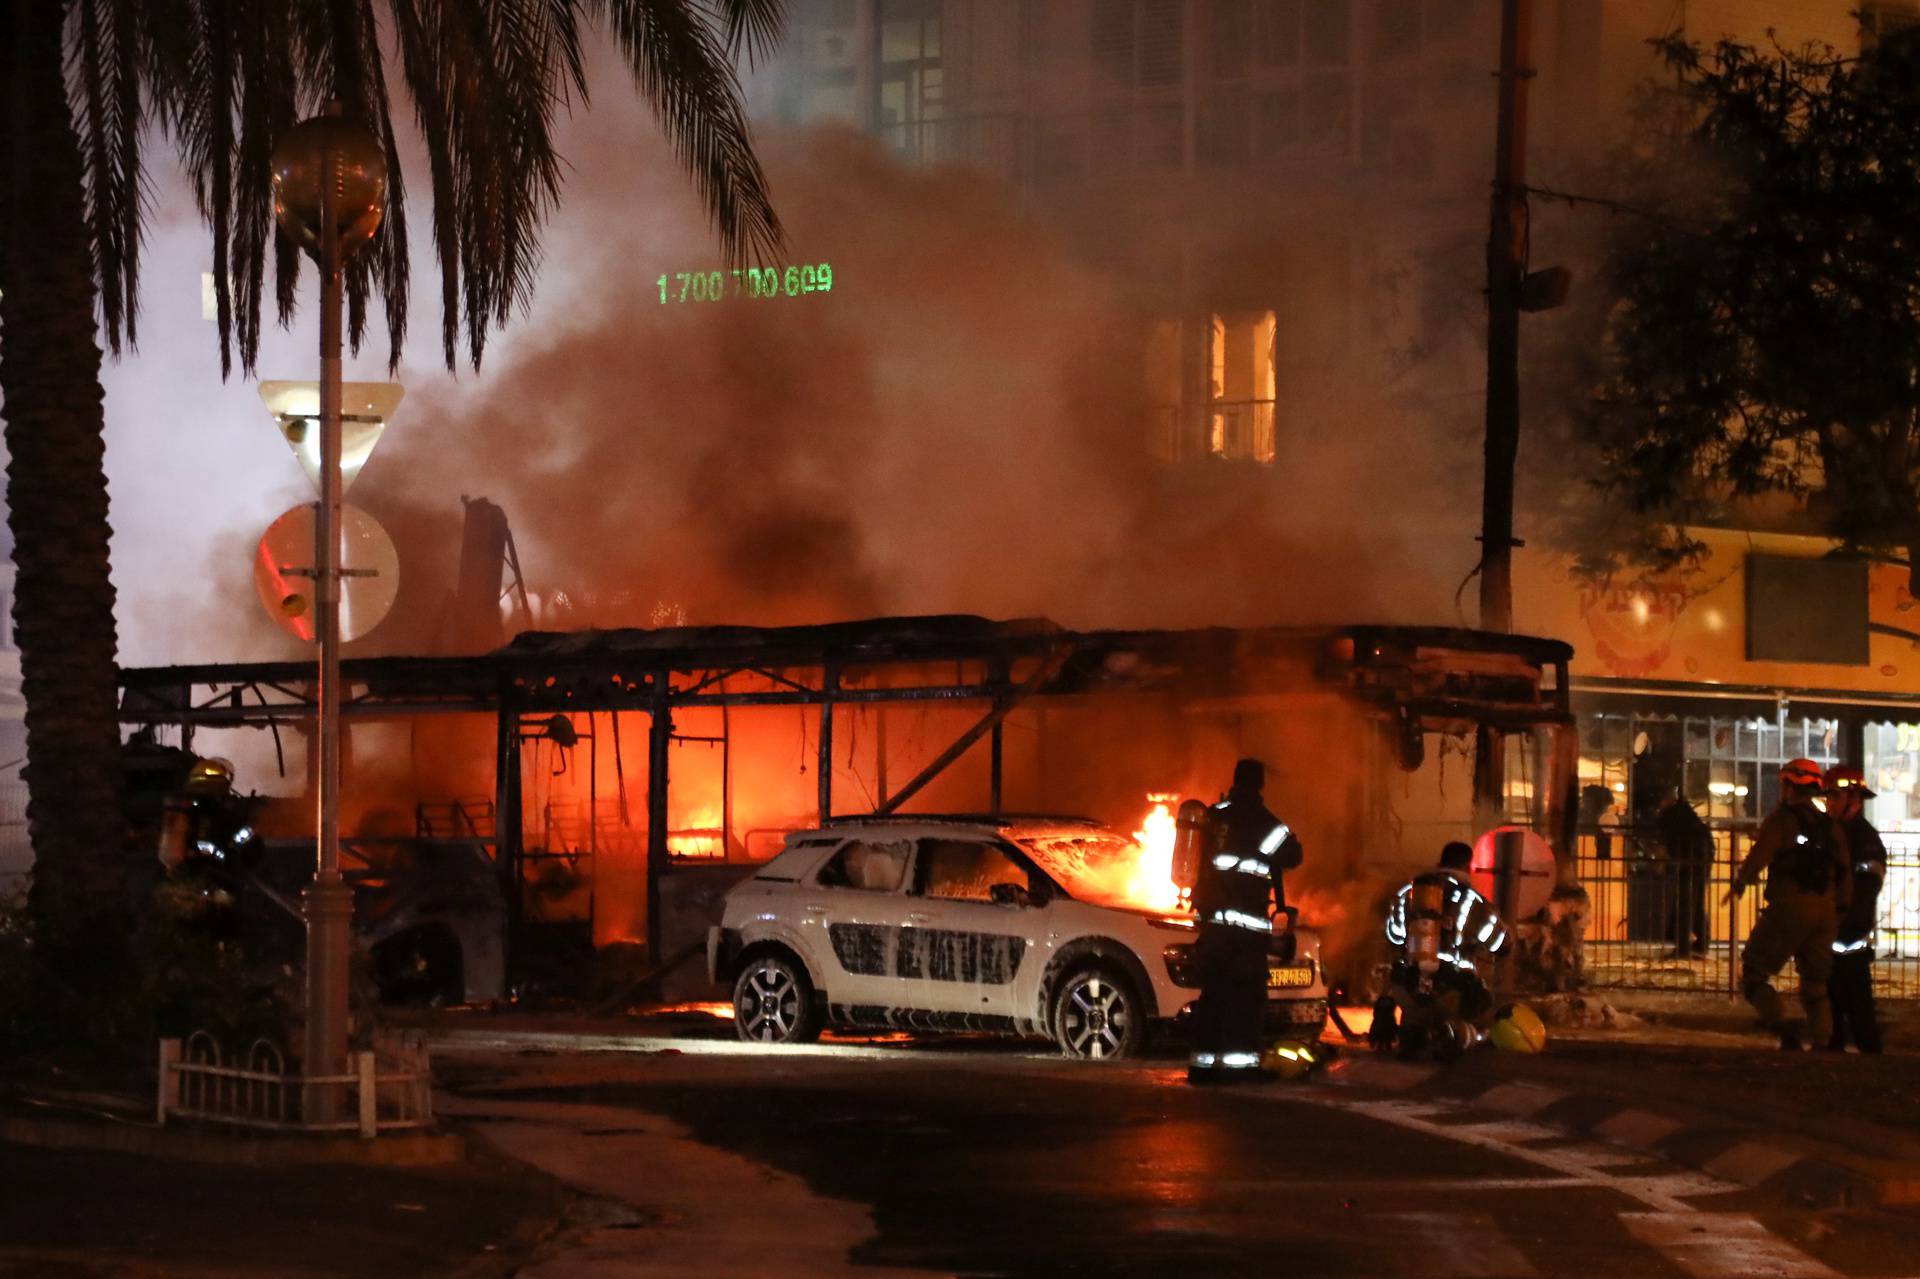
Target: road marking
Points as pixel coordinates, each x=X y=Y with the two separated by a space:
x=1706 y=1244
x=1464 y=1244
x=1522 y=1100
x=1751 y=1162
x=1722 y=1245
x=1369 y=1186
x=1577 y=1162
x=1638 y=1128
x=1510 y=1130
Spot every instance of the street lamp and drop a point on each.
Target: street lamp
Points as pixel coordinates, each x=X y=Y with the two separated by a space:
x=329 y=193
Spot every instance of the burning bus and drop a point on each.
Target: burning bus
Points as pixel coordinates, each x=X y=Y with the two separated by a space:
x=613 y=785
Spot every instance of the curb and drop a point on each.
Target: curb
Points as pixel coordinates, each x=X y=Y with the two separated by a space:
x=400 y=1150
x=1823 y=1177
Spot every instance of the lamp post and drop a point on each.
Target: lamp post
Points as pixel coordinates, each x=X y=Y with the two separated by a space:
x=329 y=192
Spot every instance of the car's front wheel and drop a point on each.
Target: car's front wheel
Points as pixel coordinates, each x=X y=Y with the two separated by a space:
x=773 y=1002
x=1099 y=1015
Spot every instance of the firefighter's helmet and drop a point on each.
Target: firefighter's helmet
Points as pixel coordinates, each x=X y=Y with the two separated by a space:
x=1844 y=779
x=210 y=776
x=1290 y=1060
x=1517 y=1028
x=1801 y=772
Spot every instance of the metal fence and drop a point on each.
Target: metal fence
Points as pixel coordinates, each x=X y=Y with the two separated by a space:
x=389 y=1088
x=1648 y=911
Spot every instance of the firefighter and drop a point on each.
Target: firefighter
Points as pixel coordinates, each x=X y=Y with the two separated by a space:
x=1850 y=988
x=1238 y=891
x=1441 y=927
x=1804 y=853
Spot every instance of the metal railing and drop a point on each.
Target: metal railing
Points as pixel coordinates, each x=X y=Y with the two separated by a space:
x=1648 y=910
x=1146 y=138
x=1227 y=430
x=387 y=1089
x=1240 y=430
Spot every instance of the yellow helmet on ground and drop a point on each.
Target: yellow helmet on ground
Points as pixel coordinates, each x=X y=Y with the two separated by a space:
x=1517 y=1028
x=1290 y=1060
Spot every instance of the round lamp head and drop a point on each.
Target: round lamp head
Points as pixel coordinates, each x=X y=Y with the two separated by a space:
x=359 y=175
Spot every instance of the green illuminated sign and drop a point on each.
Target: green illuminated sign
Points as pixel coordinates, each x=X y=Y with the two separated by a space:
x=746 y=282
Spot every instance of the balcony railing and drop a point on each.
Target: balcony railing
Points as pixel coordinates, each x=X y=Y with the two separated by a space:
x=1042 y=150
x=1227 y=430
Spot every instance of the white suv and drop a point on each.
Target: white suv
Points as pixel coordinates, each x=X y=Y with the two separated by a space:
x=1016 y=924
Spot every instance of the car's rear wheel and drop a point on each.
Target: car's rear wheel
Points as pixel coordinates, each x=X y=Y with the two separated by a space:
x=1099 y=1015
x=773 y=1002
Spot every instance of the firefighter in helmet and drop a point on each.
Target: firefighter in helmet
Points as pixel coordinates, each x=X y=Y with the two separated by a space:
x=1443 y=931
x=1850 y=988
x=1238 y=892
x=1805 y=855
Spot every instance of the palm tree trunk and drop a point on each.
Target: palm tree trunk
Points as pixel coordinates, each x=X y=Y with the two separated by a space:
x=84 y=873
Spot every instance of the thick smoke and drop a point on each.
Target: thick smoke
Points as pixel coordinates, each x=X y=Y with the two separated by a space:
x=948 y=430
x=960 y=425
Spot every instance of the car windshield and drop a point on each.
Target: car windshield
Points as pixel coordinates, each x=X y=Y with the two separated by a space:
x=1094 y=866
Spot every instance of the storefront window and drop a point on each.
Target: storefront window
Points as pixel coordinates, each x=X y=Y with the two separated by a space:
x=1727 y=766
x=1892 y=758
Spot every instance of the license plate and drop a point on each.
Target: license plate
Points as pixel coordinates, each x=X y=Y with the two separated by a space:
x=1284 y=977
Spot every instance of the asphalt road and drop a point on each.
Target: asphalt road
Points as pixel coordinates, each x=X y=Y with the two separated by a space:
x=977 y=1160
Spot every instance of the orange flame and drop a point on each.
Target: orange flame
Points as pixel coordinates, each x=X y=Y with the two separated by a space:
x=701 y=839
x=1152 y=885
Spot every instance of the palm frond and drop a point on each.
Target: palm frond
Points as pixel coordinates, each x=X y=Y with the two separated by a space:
x=487 y=78
x=754 y=27
x=104 y=66
x=429 y=79
x=682 y=70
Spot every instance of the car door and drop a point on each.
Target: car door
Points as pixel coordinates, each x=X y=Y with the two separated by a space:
x=851 y=913
x=960 y=948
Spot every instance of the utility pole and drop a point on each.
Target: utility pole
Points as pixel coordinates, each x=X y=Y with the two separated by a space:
x=1506 y=271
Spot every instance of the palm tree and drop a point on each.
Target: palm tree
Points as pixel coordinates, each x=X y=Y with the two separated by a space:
x=83 y=84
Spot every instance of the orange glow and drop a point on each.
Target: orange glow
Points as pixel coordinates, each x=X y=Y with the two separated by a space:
x=701 y=839
x=1152 y=885
x=711 y=1008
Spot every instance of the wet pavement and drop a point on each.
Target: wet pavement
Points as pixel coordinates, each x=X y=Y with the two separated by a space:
x=978 y=1159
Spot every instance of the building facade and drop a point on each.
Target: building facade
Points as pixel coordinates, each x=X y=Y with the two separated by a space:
x=1297 y=189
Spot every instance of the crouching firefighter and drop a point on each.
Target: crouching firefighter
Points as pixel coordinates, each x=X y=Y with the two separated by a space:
x=1441 y=929
x=1238 y=890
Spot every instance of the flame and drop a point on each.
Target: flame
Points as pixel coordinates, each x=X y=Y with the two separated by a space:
x=1152 y=885
x=700 y=839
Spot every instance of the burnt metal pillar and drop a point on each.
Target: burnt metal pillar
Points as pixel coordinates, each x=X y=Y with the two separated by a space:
x=507 y=816
x=829 y=684
x=1563 y=801
x=997 y=676
x=880 y=751
x=659 y=742
x=1508 y=846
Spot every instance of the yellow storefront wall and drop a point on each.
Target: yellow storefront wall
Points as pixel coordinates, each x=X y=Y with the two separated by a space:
x=1680 y=629
x=1691 y=627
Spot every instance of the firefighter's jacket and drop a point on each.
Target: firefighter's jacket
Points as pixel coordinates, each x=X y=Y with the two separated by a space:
x=1253 y=849
x=1803 y=850
x=1467 y=925
x=1869 y=855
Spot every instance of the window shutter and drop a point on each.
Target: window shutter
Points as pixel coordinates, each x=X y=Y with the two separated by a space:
x=1160 y=43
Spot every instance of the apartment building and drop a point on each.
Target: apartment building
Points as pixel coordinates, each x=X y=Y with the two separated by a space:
x=1296 y=190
